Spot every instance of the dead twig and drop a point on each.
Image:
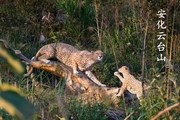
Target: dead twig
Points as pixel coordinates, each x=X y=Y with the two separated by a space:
x=129 y=115
x=17 y=52
x=165 y=110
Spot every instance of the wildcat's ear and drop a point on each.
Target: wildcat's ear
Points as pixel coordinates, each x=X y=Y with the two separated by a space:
x=126 y=68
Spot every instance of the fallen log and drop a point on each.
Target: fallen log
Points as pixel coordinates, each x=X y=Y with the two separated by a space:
x=75 y=83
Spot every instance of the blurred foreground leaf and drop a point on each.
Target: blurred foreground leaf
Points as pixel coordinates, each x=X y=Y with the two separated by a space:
x=10 y=57
x=14 y=103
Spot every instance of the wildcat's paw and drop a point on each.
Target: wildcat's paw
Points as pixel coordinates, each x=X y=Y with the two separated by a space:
x=116 y=73
x=102 y=85
x=46 y=61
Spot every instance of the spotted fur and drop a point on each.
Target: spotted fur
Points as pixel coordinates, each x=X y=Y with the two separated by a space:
x=70 y=56
x=129 y=82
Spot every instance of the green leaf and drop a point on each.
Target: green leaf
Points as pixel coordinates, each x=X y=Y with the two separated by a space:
x=14 y=103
